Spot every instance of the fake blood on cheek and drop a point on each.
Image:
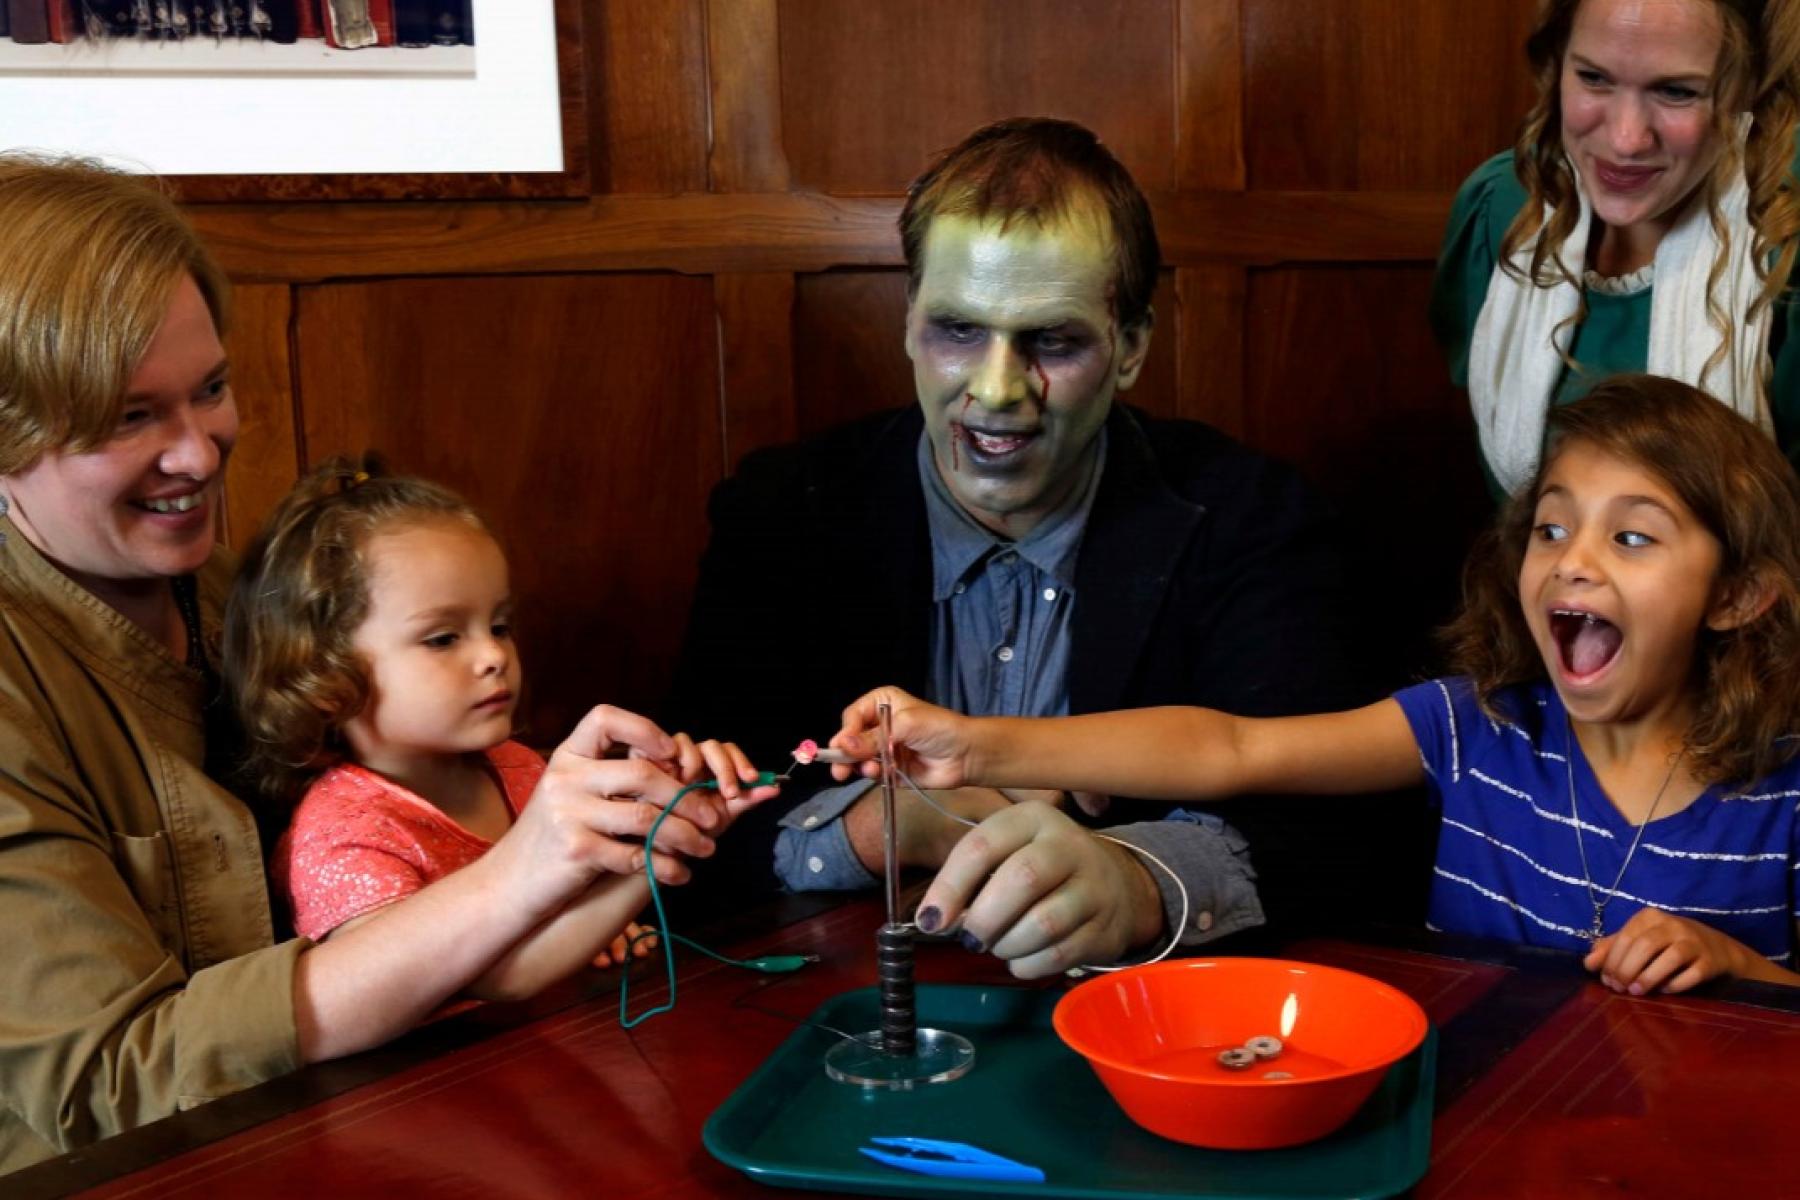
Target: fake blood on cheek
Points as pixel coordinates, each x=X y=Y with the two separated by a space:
x=957 y=433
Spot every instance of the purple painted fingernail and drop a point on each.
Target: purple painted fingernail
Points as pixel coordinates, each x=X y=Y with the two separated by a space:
x=930 y=918
x=970 y=942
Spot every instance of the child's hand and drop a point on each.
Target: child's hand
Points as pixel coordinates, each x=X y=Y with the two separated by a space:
x=632 y=942
x=932 y=743
x=687 y=762
x=1659 y=951
x=1094 y=804
x=727 y=764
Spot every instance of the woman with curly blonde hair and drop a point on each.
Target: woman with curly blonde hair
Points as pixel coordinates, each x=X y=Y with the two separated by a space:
x=1615 y=764
x=1646 y=220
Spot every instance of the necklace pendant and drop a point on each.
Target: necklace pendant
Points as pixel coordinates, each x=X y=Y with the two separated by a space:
x=1598 y=929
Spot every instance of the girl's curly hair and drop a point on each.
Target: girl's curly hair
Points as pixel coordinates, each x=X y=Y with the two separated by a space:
x=1741 y=488
x=291 y=671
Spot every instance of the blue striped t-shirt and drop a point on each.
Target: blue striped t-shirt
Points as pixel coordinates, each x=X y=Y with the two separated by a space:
x=1507 y=864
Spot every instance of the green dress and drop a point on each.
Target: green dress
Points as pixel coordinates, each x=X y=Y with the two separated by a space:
x=1613 y=339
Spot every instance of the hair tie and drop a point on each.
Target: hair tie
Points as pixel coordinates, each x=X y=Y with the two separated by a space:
x=350 y=482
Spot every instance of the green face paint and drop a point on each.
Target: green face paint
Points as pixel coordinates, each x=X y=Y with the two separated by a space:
x=1016 y=358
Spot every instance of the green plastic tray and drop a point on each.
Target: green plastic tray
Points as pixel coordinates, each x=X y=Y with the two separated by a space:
x=1033 y=1100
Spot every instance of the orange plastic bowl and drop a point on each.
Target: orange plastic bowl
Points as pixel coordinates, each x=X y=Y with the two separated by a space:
x=1153 y=1034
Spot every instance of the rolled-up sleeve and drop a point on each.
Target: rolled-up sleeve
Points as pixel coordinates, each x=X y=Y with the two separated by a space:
x=812 y=850
x=1211 y=860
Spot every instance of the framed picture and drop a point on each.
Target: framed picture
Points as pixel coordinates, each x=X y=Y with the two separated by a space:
x=238 y=115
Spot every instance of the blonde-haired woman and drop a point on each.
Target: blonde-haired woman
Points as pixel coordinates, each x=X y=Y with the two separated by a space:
x=1646 y=220
x=140 y=973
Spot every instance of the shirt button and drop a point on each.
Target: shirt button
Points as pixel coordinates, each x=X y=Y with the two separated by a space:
x=1007 y=559
x=815 y=864
x=1203 y=922
x=810 y=822
x=1004 y=654
x=1049 y=593
x=960 y=588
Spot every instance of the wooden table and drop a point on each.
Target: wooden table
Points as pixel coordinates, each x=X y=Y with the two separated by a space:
x=1548 y=1084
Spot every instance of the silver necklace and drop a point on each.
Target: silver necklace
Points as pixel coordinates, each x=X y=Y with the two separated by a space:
x=1597 y=930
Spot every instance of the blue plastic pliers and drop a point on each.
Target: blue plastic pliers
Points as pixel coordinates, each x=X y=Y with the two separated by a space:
x=952 y=1160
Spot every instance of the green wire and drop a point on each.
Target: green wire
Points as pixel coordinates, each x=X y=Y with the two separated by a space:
x=771 y=964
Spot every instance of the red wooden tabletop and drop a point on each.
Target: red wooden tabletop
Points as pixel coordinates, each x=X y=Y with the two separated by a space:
x=1547 y=1084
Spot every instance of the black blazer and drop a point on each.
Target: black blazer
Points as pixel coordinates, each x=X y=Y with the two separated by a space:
x=1208 y=575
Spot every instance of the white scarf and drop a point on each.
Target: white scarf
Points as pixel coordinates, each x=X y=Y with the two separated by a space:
x=1514 y=363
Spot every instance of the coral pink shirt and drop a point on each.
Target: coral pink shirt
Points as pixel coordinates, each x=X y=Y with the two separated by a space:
x=359 y=841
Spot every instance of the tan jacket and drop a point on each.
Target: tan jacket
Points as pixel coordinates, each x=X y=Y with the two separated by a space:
x=137 y=974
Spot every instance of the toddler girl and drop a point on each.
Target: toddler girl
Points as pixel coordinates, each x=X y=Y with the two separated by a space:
x=1615 y=761
x=370 y=658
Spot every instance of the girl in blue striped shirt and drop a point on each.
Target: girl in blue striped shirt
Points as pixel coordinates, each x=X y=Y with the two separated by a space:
x=1614 y=763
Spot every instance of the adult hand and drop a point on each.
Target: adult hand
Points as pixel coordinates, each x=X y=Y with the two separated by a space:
x=1657 y=950
x=931 y=744
x=1042 y=893
x=584 y=808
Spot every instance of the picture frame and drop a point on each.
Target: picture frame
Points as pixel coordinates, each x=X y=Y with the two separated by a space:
x=515 y=127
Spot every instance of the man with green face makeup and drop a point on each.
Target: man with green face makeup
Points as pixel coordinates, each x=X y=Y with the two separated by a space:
x=1020 y=544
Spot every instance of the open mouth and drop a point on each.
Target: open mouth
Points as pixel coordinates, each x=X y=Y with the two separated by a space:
x=996 y=444
x=1587 y=643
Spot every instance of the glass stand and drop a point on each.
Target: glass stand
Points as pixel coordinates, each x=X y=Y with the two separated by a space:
x=899 y=1055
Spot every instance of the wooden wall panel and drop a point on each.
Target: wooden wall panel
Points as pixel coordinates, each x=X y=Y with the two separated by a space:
x=1209 y=345
x=1349 y=386
x=849 y=346
x=756 y=356
x=1209 y=120
x=266 y=461
x=744 y=61
x=1381 y=94
x=693 y=232
x=578 y=413
x=870 y=91
x=647 y=95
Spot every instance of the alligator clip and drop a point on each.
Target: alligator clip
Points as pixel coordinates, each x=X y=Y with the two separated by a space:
x=953 y=1160
x=763 y=779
